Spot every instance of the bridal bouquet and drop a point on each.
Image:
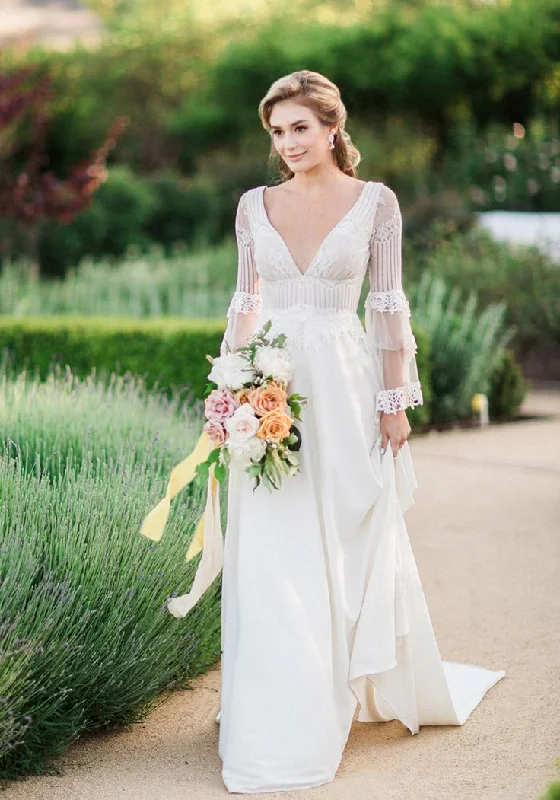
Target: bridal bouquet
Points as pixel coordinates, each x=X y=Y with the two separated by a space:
x=250 y=415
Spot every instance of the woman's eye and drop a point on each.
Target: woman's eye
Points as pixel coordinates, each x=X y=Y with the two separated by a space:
x=297 y=128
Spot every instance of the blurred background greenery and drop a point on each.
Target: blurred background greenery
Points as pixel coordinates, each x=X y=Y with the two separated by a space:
x=454 y=104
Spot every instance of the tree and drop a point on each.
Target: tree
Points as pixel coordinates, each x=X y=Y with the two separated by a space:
x=30 y=192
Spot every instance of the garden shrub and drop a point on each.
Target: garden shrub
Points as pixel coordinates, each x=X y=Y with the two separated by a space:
x=553 y=792
x=168 y=353
x=184 y=211
x=519 y=276
x=132 y=214
x=466 y=345
x=86 y=641
x=515 y=168
x=115 y=221
x=420 y=416
x=188 y=284
x=507 y=389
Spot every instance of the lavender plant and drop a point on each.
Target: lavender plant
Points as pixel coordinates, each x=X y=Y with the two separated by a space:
x=186 y=284
x=85 y=642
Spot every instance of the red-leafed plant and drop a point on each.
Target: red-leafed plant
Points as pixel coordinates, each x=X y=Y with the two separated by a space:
x=30 y=192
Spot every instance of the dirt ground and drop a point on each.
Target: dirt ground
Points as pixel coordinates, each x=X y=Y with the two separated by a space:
x=486 y=534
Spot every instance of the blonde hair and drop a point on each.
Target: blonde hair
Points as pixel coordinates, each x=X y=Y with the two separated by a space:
x=322 y=96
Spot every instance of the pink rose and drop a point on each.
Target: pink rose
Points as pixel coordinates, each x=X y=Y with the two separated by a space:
x=220 y=405
x=216 y=432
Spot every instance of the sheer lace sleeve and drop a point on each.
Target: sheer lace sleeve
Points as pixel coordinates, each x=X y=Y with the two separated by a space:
x=387 y=312
x=246 y=302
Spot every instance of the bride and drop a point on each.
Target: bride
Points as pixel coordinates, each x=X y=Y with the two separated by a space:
x=324 y=619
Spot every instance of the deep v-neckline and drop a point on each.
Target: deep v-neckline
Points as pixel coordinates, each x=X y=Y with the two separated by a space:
x=303 y=274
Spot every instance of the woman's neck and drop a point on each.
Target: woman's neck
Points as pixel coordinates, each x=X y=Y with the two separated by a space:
x=316 y=179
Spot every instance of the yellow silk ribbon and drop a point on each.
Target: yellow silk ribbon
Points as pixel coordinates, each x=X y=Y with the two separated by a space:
x=208 y=533
x=181 y=476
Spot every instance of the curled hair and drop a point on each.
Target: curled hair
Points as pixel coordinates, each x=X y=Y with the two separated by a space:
x=323 y=98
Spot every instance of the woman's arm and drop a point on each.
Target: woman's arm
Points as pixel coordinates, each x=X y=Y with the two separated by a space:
x=246 y=301
x=387 y=319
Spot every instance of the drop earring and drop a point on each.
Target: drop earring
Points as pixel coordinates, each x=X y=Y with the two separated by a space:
x=331 y=140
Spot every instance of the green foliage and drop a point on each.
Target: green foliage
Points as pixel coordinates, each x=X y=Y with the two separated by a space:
x=184 y=211
x=513 y=167
x=465 y=346
x=131 y=214
x=521 y=277
x=431 y=220
x=169 y=354
x=86 y=641
x=142 y=77
x=421 y=415
x=553 y=792
x=189 y=283
x=194 y=83
x=426 y=117
x=507 y=388
x=116 y=220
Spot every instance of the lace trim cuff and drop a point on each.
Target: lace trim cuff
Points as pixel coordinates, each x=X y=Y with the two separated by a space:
x=392 y=400
x=244 y=303
x=392 y=301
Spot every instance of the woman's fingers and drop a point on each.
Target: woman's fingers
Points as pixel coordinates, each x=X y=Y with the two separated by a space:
x=384 y=440
x=394 y=431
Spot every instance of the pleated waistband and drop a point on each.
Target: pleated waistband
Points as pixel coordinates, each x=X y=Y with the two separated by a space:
x=316 y=295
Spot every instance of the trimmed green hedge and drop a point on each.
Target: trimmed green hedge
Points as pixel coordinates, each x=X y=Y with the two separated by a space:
x=169 y=353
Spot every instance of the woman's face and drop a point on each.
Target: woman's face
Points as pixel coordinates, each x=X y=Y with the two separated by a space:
x=299 y=137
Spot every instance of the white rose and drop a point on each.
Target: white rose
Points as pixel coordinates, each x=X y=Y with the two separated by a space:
x=243 y=424
x=274 y=361
x=246 y=451
x=231 y=371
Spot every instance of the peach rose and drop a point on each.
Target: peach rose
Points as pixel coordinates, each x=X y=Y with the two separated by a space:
x=271 y=397
x=243 y=396
x=274 y=426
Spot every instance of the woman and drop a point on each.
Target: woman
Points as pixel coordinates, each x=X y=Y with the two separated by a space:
x=323 y=615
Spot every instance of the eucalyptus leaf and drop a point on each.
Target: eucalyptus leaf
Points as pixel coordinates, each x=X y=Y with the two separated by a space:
x=214 y=455
x=209 y=388
x=220 y=472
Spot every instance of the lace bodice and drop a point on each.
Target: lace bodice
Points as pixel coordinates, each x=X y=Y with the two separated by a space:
x=366 y=241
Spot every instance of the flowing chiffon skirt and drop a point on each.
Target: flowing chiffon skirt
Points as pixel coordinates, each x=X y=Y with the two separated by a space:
x=323 y=615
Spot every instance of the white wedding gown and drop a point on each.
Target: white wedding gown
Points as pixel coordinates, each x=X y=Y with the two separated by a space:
x=323 y=615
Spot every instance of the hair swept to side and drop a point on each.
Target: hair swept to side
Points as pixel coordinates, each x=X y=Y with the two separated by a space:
x=322 y=96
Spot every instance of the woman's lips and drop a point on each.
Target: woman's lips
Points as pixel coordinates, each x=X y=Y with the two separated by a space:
x=295 y=158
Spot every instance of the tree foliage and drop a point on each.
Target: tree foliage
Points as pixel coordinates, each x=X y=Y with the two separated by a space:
x=29 y=190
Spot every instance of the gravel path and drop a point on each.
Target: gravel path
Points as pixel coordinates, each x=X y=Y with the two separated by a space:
x=485 y=531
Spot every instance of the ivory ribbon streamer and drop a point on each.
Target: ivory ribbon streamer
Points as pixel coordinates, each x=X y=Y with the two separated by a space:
x=208 y=534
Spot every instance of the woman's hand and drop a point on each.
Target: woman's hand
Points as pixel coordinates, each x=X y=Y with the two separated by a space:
x=395 y=429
